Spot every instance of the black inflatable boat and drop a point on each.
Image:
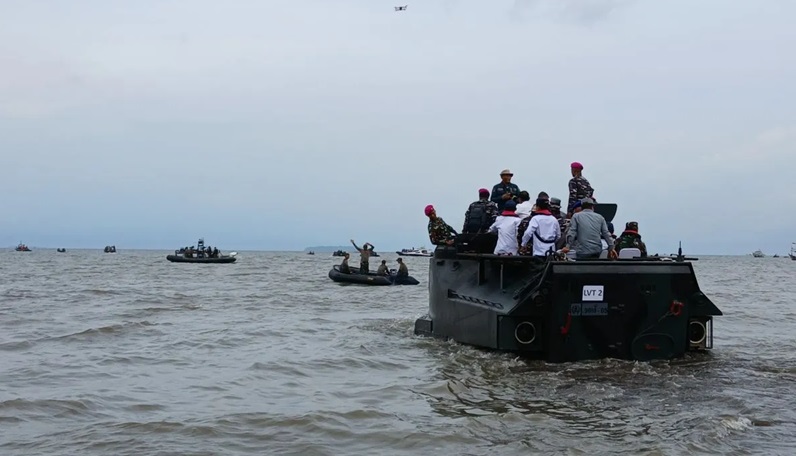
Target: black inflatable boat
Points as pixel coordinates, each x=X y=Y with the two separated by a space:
x=182 y=259
x=370 y=278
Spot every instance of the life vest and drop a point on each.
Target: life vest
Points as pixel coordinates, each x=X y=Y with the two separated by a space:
x=479 y=220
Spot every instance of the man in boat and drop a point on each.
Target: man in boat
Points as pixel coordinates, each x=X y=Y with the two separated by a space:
x=383 y=268
x=481 y=214
x=543 y=231
x=506 y=228
x=439 y=232
x=631 y=239
x=579 y=188
x=505 y=190
x=403 y=271
x=364 y=256
x=586 y=230
x=344 y=265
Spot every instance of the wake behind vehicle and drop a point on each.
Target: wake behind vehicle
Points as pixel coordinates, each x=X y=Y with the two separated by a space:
x=560 y=310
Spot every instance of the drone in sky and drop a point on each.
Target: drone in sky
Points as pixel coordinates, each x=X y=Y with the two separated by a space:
x=401 y=8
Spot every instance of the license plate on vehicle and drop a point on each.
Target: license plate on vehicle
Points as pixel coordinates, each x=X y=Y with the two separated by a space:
x=589 y=309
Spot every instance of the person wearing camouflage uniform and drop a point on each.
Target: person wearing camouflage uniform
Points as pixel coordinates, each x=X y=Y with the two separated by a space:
x=579 y=188
x=439 y=232
x=481 y=214
x=563 y=222
x=631 y=239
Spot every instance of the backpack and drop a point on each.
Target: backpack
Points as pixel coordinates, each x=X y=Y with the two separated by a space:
x=479 y=220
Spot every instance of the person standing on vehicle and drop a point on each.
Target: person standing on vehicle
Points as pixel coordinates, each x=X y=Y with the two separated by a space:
x=505 y=190
x=481 y=214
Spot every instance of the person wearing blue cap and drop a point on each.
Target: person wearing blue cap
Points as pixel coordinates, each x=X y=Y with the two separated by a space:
x=506 y=228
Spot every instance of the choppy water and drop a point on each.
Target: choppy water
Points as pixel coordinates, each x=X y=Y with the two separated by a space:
x=128 y=354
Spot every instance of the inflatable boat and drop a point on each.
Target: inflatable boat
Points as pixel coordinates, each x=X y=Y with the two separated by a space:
x=182 y=259
x=370 y=278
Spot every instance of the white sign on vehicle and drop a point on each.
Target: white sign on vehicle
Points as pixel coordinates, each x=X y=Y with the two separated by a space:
x=592 y=292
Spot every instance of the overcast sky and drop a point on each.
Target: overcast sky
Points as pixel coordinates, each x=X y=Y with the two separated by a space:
x=271 y=124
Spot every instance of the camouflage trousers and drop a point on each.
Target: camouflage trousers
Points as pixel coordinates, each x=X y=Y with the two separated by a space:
x=364 y=267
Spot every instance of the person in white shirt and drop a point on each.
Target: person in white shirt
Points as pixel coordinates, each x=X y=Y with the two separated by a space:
x=506 y=228
x=543 y=230
x=525 y=206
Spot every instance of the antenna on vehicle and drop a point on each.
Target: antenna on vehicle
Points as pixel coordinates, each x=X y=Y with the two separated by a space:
x=680 y=257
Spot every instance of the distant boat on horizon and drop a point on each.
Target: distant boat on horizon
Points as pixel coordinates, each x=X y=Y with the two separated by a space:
x=421 y=252
x=758 y=254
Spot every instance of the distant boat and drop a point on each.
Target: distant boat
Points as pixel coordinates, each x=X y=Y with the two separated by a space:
x=201 y=254
x=758 y=254
x=60 y=250
x=339 y=253
x=775 y=256
x=421 y=252
x=310 y=253
x=110 y=249
x=22 y=248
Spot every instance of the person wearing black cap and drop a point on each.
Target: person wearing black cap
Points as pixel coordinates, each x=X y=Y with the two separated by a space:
x=563 y=222
x=631 y=239
x=505 y=190
x=526 y=219
x=543 y=231
x=555 y=209
x=480 y=214
x=382 y=270
x=524 y=205
x=506 y=228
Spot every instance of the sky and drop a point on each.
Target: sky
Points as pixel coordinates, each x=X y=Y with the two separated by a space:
x=282 y=124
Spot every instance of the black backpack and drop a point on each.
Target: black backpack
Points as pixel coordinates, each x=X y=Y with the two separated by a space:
x=479 y=220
